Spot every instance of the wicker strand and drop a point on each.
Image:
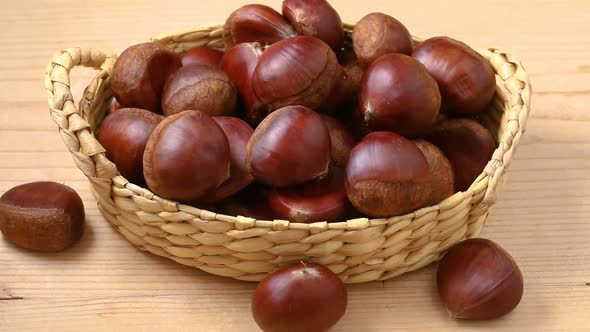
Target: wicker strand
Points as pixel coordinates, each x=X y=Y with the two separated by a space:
x=359 y=250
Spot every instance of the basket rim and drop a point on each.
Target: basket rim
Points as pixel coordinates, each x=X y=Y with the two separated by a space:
x=509 y=69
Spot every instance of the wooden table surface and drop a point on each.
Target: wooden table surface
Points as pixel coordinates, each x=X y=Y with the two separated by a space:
x=105 y=284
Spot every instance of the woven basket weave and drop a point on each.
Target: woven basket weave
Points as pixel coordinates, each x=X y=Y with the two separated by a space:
x=359 y=250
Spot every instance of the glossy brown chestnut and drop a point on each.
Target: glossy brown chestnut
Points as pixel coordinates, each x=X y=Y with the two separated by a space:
x=352 y=118
x=342 y=141
x=316 y=18
x=291 y=146
x=256 y=23
x=342 y=94
x=304 y=297
x=113 y=106
x=315 y=201
x=124 y=135
x=477 y=280
x=467 y=81
x=378 y=34
x=42 y=216
x=301 y=70
x=355 y=72
x=140 y=73
x=238 y=134
x=387 y=175
x=203 y=56
x=239 y=63
x=398 y=94
x=186 y=157
x=200 y=87
x=252 y=202
x=468 y=145
x=442 y=181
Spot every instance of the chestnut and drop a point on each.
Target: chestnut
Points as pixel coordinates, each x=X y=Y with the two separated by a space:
x=355 y=72
x=478 y=280
x=255 y=23
x=186 y=157
x=315 y=201
x=140 y=73
x=352 y=118
x=387 y=175
x=291 y=146
x=442 y=178
x=238 y=134
x=200 y=87
x=468 y=145
x=202 y=55
x=124 y=135
x=42 y=216
x=302 y=297
x=467 y=81
x=301 y=71
x=398 y=94
x=342 y=93
x=342 y=141
x=316 y=18
x=378 y=34
x=239 y=63
x=252 y=202
x=114 y=106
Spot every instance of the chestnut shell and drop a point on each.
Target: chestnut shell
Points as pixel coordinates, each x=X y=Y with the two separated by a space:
x=300 y=70
x=255 y=23
x=442 y=178
x=140 y=73
x=203 y=56
x=42 y=216
x=315 y=201
x=342 y=141
x=302 y=297
x=387 y=175
x=378 y=34
x=398 y=94
x=200 y=87
x=186 y=157
x=291 y=146
x=316 y=18
x=467 y=81
x=238 y=134
x=239 y=63
x=479 y=280
x=124 y=135
x=468 y=145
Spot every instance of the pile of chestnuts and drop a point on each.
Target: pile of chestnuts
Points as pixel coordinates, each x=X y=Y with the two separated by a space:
x=320 y=130
x=289 y=123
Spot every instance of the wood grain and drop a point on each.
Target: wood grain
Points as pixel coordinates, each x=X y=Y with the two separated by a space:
x=104 y=284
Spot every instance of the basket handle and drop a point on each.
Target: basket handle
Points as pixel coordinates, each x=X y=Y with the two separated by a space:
x=516 y=81
x=87 y=152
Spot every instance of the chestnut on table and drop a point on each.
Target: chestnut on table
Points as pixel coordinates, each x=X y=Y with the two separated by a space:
x=42 y=216
x=477 y=279
x=302 y=297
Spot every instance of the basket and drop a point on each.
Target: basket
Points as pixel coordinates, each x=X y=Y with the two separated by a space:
x=358 y=250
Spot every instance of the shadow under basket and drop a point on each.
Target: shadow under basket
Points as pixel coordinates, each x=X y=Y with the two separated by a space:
x=359 y=250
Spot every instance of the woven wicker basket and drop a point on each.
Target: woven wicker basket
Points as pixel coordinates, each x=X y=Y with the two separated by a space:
x=359 y=250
